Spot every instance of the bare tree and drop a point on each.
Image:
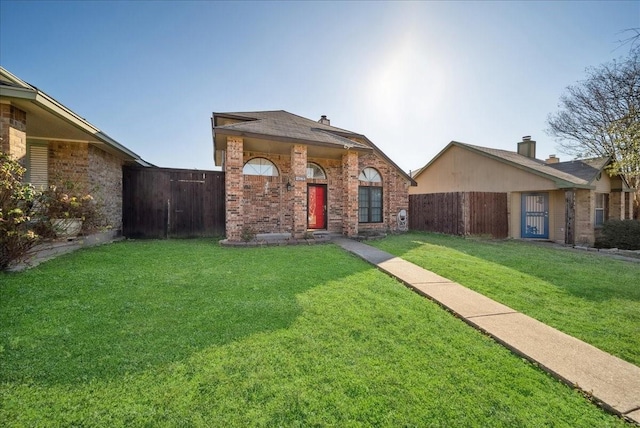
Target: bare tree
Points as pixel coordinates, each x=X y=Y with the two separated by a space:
x=632 y=38
x=600 y=116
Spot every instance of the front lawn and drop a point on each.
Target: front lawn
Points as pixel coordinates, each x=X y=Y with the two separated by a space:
x=185 y=333
x=589 y=296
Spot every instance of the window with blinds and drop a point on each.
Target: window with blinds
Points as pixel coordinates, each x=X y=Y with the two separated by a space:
x=37 y=166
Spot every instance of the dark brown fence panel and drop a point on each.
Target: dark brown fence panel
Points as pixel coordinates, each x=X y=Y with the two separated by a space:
x=176 y=203
x=437 y=212
x=488 y=214
x=458 y=213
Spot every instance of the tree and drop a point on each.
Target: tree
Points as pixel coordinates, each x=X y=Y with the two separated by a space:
x=600 y=116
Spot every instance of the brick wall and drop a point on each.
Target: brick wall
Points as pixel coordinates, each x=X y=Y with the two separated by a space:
x=13 y=131
x=266 y=206
x=585 y=205
x=69 y=166
x=350 y=172
x=234 y=185
x=394 y=191
x=266 y=203
x=105 y=185
x=299 y=182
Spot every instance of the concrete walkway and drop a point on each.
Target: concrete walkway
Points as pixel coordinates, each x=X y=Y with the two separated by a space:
x=613 y=383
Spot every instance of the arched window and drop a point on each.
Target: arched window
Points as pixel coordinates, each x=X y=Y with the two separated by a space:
x=370 y=197
x=370 y=175
x=260 y=166
x=315 y=171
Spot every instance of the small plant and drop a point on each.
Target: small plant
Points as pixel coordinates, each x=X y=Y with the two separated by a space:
x=17 y=213
x=60 y=204
x=247 y=234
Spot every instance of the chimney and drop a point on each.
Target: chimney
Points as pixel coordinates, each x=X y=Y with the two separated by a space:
x=527 y=147
x=552 y=159
x=323 y=120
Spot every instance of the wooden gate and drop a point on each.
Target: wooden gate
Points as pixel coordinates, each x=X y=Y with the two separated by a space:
x=172 y=203
x=460 y=213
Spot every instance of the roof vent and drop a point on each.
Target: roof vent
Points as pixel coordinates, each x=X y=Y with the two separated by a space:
x=526 y=138
x=323 y=120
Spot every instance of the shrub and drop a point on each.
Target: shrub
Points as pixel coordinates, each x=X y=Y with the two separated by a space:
x=17 y=213
x=622 y=234
x=62 y=204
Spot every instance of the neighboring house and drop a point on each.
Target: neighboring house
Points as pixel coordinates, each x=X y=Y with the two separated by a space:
x=288 y=174
x=58 y=147
x=560 y=201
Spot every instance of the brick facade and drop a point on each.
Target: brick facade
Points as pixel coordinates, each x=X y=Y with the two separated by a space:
x=13 y=131
x=234 y=185
x=584 y=217
x=69 y=166
x=263 y=204
x=105 y=185
x=395 y=193
x=299 y=183
x=75 y=167
x=350 y=172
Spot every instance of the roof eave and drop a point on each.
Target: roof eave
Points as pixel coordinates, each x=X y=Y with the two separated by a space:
x=33 y=94
x=244 y=134
x=20 y=93
x=561 y=184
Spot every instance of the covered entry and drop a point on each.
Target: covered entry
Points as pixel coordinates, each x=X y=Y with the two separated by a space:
x=317 y=206
x=535 y=215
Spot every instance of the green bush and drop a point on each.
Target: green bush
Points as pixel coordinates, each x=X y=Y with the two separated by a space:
x=622 y=234
x=17 y=213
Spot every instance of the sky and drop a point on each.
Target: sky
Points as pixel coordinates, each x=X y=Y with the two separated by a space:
x=411 y=76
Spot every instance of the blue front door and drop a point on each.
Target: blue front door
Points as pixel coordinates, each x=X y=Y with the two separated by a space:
x=535 y=215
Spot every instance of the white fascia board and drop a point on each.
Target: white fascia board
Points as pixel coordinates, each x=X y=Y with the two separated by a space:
x=21 y=93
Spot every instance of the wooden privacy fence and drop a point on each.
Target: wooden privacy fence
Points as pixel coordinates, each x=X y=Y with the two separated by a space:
x=172 y=203
x=460 y=213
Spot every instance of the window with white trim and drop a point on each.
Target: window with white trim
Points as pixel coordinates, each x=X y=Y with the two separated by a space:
x=602 y=200
x=315 y=171
x=260 y=166
x=370 y=196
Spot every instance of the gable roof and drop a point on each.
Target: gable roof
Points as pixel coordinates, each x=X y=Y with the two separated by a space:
x=576 y=173
x=43 y=107
x=283 y=126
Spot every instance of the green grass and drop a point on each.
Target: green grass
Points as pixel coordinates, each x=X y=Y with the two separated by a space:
x=185 y=333
x=589 y=296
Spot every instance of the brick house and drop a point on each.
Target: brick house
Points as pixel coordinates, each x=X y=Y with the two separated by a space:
x=566 y=202
x=288 y=174
x=60 y=148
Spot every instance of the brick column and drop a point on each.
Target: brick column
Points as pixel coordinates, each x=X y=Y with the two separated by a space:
x=234 y=185
x=299 y=182
x=585 y=213
x=13 y=131
x=616 y=206
x=350 y=193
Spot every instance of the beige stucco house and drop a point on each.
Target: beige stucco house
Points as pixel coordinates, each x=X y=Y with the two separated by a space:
x=286 y=174
x=560 y=201
x=58 y=147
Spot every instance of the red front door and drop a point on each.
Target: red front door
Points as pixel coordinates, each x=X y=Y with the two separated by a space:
x=317 y=206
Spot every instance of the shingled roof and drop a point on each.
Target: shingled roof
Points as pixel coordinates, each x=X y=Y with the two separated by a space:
x=286 y=126
x=280 y=125
x=575 y=173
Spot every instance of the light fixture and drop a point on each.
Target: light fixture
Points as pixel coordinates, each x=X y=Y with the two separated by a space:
x=289 y=186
